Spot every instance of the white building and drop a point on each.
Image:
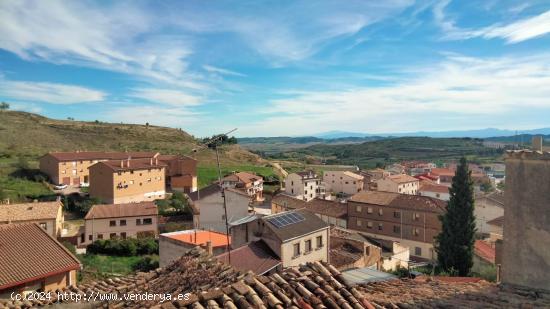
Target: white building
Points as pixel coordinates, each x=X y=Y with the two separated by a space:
x=401 y=183
x=304 y=185
x=343 y=182
x=432 y=189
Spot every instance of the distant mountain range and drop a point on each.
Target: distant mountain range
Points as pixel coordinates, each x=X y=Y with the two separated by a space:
x=481 y=133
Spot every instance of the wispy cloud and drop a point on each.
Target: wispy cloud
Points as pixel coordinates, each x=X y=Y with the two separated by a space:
x=213 y=69
x=166 y=96
x=48 y=92
x=459 y=88
x=515 y=32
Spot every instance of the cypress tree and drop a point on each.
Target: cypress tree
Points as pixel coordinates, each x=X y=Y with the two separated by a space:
x=455 y=243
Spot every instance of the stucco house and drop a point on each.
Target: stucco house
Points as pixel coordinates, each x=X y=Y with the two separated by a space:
x=48 y=215
x=135 y=220
x=345 y=182
x=401 y=183
x=251 y=184
x=304 y=185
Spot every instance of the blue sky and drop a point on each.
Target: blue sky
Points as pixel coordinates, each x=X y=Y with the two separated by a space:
x=274 y=68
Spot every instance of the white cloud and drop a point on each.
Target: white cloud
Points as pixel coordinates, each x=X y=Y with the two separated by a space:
x=119 y=37
x=518 y=31
x=48 y=92
x=221 y=71
x=458 y=90
x=166 y=96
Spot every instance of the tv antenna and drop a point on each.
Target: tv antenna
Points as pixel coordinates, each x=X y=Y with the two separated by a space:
x=207 y=144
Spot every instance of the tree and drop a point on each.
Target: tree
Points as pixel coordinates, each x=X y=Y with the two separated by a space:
x=4 y=106
x=454 y=245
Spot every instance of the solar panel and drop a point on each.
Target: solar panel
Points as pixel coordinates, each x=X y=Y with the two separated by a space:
x=285 y=219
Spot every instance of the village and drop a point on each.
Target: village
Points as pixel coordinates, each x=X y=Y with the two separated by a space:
x=370 y=226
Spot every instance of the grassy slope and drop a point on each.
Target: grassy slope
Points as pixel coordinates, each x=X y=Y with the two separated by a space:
x=30 y=135
x=396 y=149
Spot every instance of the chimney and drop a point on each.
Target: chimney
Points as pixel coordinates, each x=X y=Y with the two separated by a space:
x=209 y=248
x=121 y=163
x=537 y=143
x=128 y=162
x=156 y=161
x=151 y=161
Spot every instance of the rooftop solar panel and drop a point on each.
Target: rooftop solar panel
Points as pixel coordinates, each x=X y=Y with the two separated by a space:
x=285 y=219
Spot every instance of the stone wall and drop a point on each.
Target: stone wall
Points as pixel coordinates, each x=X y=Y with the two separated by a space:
x=526 y=246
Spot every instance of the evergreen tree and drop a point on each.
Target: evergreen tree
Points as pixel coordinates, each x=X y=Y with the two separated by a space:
x=455 y=243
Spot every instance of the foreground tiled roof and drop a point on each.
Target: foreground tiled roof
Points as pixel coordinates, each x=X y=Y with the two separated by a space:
x=404 y=201
x=29 y=253
x=315 y=285
x=122 y=210
x=29 y=211
x=99 y=155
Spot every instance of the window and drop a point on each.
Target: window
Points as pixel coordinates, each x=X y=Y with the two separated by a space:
x=369 y=225
x=347 y=183
x=112 y=223
x=148 y=179
x=90 y=237
x=131 y=182
x=416 y=216
x=380 y=226
x=296 y=249
x=138 y=221
x=306 y=192
x=122 y=222
x=147 y=221
x=292 y=190
x=112 y=235
x=417 y=251
x=367 y=251
x=292 y=183
x=416 y=231
x=380 y=212
x=358 y=208
x=308 y=245
x=397 y=214
x=44 y=225
x=359 y=222
x=369 y=210
x=396 y=229
x=319 y=241
x=99 y=236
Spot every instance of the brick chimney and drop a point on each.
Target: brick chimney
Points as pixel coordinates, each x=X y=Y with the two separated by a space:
x=128 y=162
x=121 y=163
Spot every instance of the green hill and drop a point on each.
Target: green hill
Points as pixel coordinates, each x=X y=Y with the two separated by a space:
x=390 y=150
x=24 y=137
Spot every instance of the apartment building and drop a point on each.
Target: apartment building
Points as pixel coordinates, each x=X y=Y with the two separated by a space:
x=132 y=220
x=250 y=183
x=409 y=219
x=48 y=215
x=33 y=261
x=127 y=181
x=402 y=183
x=345 y=182
x=181 y=172
x=72 y=168
x=304 y=185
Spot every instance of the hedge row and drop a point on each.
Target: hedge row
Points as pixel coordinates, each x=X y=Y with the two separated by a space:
x=124 y=247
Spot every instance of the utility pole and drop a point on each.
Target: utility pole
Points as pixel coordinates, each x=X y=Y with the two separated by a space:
x=214 y=141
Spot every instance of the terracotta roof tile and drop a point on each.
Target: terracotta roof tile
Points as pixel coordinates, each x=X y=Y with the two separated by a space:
x=485 y=251
x=433 y=187
x=401 y=178
x=199 y=237
x=255 y=256
x=29 y=211
x=99 y=155
x=243 y=177
x=122 y=210
x=133 y=164
x=29 y=253
x=213 y=284
x=404 y=201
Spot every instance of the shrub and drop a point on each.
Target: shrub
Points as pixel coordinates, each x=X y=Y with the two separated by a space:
x=146 y=263
x=124 y=247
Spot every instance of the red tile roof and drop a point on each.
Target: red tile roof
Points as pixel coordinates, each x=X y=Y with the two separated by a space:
x=485 y=251
x=199 y=237
x=255 y=256
x=122 y=210
x=29 y=211
x=99 y=155
x=433 y=187
x=28 y=253
x=243 y=177
x=133 y=164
